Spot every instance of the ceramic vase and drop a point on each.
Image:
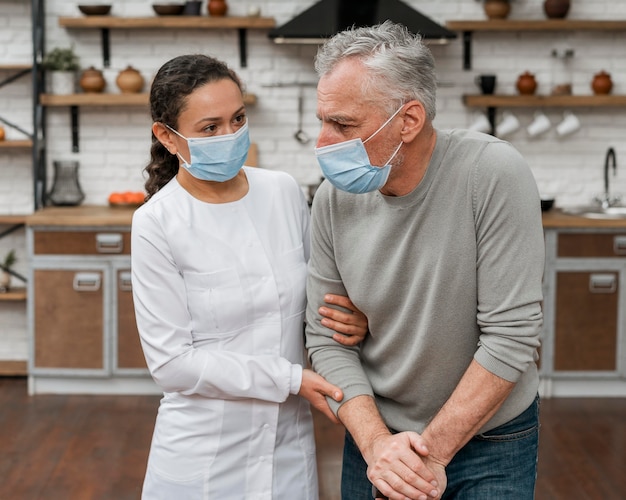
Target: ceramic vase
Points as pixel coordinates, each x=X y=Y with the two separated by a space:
x=66 y=190
x=217 y=7
x=526 y=83
x=556 y=9
x=130 y=81
x=602 y=83
x=497 y=9
x=92 y=80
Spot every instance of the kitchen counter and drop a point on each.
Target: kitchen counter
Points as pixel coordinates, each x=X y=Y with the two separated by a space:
x=82 y=216
x=102 y=215
x=555 y=218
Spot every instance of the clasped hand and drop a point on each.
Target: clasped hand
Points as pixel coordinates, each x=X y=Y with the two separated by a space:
x=400 y=467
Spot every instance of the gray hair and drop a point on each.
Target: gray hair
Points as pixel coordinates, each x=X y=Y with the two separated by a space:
x=401 y=66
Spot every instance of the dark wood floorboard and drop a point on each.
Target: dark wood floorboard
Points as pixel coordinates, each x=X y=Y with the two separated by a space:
x=95 y=447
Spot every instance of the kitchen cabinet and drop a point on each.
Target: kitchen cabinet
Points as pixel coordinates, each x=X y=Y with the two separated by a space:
x=81 y=315
x=584 y=336
x=557 y=26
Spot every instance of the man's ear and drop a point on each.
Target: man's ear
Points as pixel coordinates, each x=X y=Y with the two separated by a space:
x=164 y=136
x=414 y=120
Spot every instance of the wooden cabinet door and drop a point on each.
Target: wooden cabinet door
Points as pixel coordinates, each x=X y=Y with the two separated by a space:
x=68 y=319
x=586 y=321
x=129 y=352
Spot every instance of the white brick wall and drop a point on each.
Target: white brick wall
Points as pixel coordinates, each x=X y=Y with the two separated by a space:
x=114 y=142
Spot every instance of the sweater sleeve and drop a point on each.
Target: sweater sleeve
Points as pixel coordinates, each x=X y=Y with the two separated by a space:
x=338 y=364
x=510 y=261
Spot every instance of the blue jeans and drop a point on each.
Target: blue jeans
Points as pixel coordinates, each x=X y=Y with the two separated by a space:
x=498 y=465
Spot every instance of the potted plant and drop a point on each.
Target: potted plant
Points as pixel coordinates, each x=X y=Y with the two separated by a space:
x=63 y=63
x=5 y=275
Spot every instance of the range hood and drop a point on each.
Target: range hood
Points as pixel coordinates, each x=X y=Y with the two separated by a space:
x=327 y=17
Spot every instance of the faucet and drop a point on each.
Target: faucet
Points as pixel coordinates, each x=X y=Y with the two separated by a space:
x=609 y=161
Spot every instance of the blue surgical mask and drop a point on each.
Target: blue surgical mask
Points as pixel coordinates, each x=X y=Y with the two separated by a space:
x=347 y=166
x=218 y=158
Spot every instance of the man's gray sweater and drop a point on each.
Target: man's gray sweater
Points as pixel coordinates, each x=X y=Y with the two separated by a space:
x=448 y=273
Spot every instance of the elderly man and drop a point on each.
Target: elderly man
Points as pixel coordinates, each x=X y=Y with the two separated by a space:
x=436 y=236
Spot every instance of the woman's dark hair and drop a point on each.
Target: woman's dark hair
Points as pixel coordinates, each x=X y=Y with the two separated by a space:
x=171 y=86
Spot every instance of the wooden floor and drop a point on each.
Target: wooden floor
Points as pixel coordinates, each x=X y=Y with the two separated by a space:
x=95 y=447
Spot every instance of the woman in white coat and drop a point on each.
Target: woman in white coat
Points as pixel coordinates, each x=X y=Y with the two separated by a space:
x=219 y=262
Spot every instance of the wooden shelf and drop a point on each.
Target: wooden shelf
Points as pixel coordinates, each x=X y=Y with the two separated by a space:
x=74 y=101
x=536 y=101
x=15 y=294
x=536 y=25
x=530 y=25
x=106 y=23
x=13 y=219
x=17 y=144
x=226 y=22
x=15 y=67
x=92 y=99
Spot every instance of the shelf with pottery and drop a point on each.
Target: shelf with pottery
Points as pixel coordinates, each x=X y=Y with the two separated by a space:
x=106 y=23
x=104 y=99
x=536 y=101
x=17 y=70
x=522 y=25
x=90 y=99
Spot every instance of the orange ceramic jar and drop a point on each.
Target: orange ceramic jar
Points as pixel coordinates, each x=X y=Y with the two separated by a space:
x=526 y=83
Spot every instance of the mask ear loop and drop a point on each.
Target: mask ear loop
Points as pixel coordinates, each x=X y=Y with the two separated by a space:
x=384 y=124
x=183 y=137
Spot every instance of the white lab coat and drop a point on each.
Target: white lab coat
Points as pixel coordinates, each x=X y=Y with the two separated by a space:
x=219 y=293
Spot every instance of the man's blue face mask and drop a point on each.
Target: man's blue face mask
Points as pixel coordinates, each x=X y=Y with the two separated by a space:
x=347 y=166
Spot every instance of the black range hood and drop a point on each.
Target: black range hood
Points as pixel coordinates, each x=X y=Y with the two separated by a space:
x=327 y=17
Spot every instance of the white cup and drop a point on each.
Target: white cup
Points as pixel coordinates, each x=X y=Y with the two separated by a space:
x=508 y=125
x=540 y=124
x=481 y=124
x=569 y=125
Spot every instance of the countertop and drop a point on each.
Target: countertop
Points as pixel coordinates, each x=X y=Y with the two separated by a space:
x=82 y=216
x=101 y=215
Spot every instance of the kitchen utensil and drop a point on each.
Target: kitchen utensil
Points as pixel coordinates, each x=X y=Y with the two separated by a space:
x=509 y=124
x=487 y=83
x=569 y=125
x=540 y=124
x=301 y=136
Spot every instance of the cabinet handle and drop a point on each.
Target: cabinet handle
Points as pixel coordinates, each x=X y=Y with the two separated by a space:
x=125 y=282
x=87 y=282
x=602 y=283
x=109 y=243
x=619 y=245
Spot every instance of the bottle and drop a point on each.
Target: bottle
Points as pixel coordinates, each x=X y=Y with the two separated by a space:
x=562 y=72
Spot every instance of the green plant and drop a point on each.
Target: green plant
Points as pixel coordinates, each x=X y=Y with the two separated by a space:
x=9 y=260
x=59 y=59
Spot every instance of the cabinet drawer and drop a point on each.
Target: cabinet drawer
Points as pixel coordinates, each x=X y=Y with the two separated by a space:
x=81 y=242
x=591 y=245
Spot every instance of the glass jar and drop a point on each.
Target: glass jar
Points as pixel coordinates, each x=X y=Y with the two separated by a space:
x=562 y=71
x=66 y=190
